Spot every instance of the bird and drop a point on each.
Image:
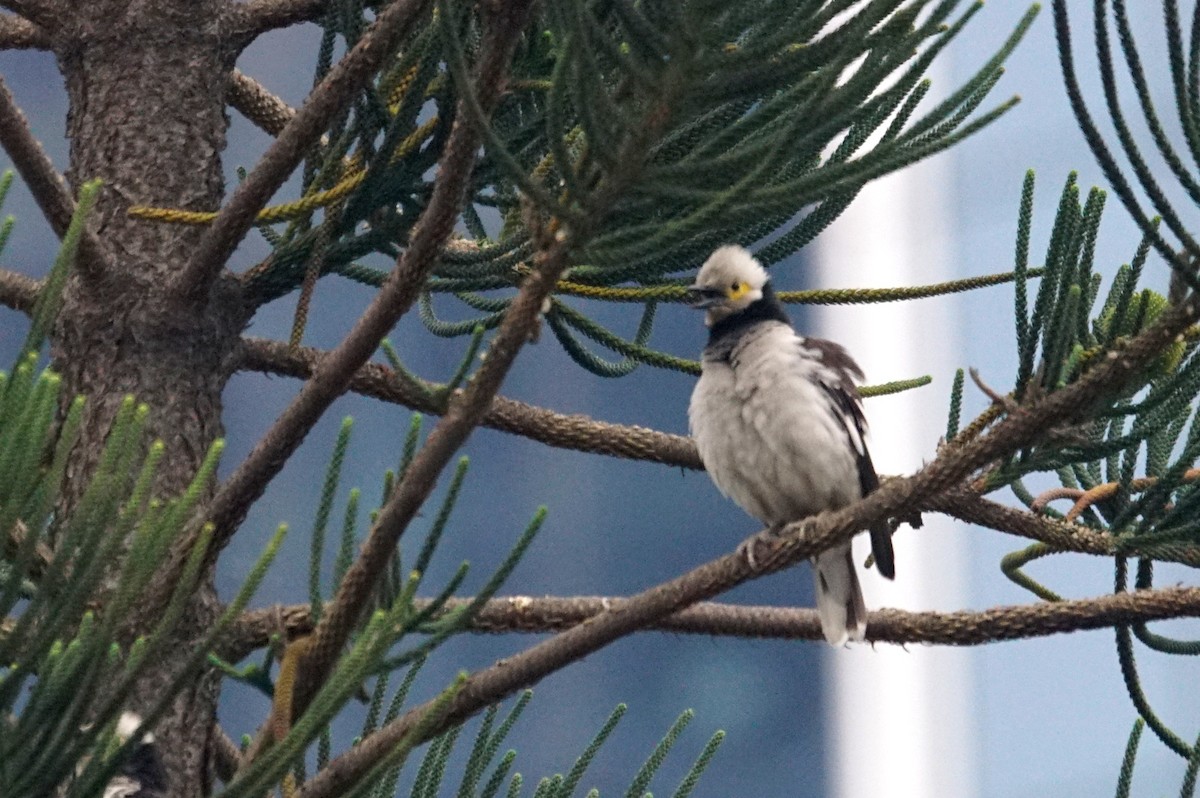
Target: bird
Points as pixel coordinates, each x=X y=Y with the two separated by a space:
x=779 y=425
x=141 y=774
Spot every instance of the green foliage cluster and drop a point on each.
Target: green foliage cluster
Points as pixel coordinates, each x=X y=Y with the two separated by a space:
x=398 y=638
x=429 y=779
x=55 y=647
x=1131 y=464
x=1136 y=451
x=653 y=131
x=58 y=647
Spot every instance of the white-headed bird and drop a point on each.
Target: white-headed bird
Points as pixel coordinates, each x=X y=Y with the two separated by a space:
x=779 y=425
x=141 y=774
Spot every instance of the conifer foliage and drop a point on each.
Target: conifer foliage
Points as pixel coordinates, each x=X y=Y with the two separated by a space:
x=486 y=165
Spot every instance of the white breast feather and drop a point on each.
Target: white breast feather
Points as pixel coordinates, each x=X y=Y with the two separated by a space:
x=766 y=432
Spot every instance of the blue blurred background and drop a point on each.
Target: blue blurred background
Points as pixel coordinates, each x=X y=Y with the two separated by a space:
x=1041 y=717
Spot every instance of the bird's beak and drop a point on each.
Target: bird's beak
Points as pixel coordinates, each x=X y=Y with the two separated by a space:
x=700 y=297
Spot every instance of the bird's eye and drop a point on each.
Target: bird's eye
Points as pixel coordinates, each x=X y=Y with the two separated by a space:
x=735 y=286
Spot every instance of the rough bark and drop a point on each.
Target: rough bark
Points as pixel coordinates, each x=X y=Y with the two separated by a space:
x=147 y=83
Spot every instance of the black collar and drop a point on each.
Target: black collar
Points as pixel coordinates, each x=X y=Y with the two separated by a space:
x=769 y=308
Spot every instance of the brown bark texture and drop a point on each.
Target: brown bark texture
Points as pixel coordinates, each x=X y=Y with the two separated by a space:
x=147 y=83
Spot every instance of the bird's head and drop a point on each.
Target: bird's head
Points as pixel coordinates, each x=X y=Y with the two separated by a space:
x=729 y=282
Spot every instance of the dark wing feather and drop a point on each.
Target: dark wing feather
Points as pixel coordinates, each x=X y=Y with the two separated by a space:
x=847 y=407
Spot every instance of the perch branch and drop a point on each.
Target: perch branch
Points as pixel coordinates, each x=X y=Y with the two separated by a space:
x=336 y=91
x=538 y=615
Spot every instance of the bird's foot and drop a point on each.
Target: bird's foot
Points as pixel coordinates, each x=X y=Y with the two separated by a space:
x=747 y=546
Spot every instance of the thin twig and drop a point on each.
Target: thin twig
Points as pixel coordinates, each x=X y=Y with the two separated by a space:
x=1053 y=494
x=1083 y=499
x=775 y=550
x=43 y=180
x=18 y=33
x=255 y=102
x=541 y=614
x=253 y=19
x=334 y=93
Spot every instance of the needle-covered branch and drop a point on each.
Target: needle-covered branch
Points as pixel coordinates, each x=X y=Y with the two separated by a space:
x=462 y=417
x=253 y=101
x=336 y=91
x=332 y=376
x=565 y=431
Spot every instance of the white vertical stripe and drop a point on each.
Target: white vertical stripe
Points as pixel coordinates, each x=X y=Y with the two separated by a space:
x=901 y=719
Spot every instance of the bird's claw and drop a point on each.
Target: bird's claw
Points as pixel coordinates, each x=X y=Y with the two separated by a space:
x=746 y=548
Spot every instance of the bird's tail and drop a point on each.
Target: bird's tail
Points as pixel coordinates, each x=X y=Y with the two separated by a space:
x=839 y=598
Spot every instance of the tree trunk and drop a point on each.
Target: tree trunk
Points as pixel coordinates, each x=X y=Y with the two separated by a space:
x=146 y=83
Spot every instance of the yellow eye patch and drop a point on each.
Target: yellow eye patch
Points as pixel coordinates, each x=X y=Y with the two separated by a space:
x=738 y=290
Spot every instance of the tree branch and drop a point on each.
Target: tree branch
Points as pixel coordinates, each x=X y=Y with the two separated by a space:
x=581 y=433
x=335 y=92
x=18 y=33
x=576 y=432
x=332 y=375
x=566 y=431
x=44 y=182
x=538 y=615
x=226 y=754
x=18 y=291
x=255 y=102
x=463 y=415
x=46 y=14
x=253 y=19
x=774 y=551
x=966 y=505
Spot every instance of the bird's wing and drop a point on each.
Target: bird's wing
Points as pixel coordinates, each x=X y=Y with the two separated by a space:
x=837 y=377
